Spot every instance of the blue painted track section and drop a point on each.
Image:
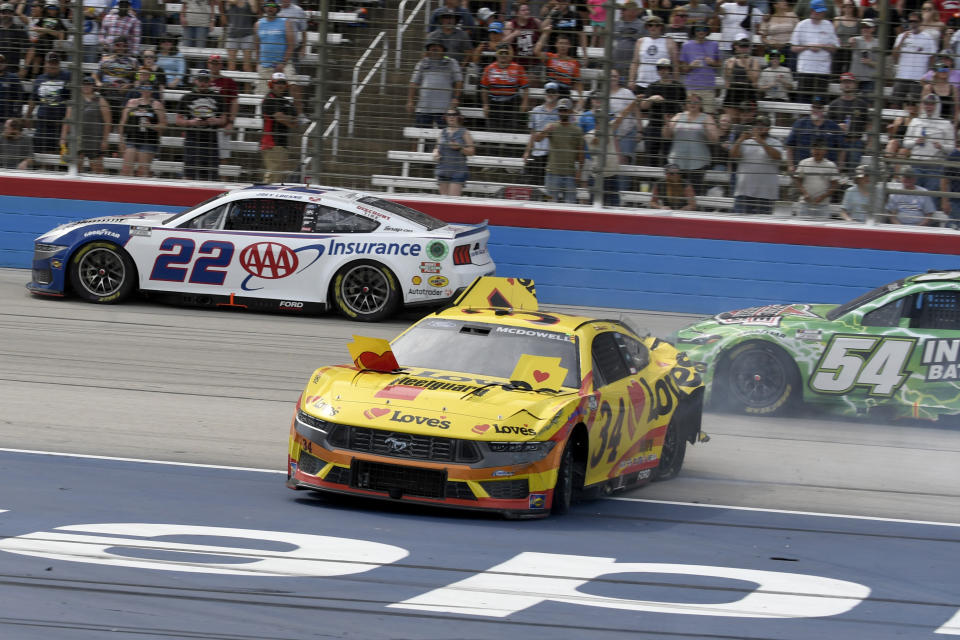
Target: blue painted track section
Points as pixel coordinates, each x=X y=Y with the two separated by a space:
x=912 y=570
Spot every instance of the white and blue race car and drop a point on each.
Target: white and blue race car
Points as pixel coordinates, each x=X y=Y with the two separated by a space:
x=286 y=248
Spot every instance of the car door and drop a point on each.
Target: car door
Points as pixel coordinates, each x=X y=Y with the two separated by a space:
x=625 y=426
x=254 y=247
x=907 y=353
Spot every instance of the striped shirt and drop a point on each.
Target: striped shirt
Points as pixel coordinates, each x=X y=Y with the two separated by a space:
x=566 y=72
x=504 y=83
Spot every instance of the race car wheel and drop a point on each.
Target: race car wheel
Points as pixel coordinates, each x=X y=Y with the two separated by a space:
x=672 y=454
x=569 y=480
x=102 y=272
x=365 y=291
x=760 y=379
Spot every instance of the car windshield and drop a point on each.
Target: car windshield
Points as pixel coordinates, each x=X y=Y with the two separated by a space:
x=845 y=308
x=189 y=211
x=483 y=349
x=403 y=211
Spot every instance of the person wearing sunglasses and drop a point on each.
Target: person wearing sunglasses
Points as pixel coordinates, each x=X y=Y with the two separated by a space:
x=911 y=53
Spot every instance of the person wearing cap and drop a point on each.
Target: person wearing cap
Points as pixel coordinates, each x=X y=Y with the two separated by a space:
x=941 y=86
x=699 y=60
x=741 y=71
x=14 y=42
x=758 y=156
x=494 y=35
x=115 y=75
x=851 y=112
x=737 y=19
x=816 y=178
x=536 y=153
x=911 y=53
x=650 y=49
x=438 y=81
x=814 y=41
x=626 y=31
x=279 y=122
x=813 y=127
x=122 y=24
x=172 y=62
x=201 y=114
x=275 y=39
x=856 y=198
x=504 y=92
x=462 y=19
x=50 y=97
x=241 y=18
x=928 y=141
x=564 y=18
x=674 y=192
x=523 y=33
x=11 y=92
x=562 y=69
x=916 y=208
x=864 y=50
x=776 y=80
x=804 y=8
x=565 y=159
x=16 y=149
x=95 y=124
x=661 y=100
x=141 y=124
x=48 y=29
x=197 y=17
x=456 y=42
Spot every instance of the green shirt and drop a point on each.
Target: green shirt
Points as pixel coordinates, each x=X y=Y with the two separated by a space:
x=566 y=143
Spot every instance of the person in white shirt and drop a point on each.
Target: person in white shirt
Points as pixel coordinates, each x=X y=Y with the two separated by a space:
x=816 y=178
x=929 y=138
x=814 y=41
x=911 y=52
x=732 y=20
x=776 y=81
x=649 y=49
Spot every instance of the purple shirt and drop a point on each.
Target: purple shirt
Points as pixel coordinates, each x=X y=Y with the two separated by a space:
x=705 y=77
x=953 y=78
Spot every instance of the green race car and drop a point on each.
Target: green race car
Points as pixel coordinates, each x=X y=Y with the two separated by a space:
x=896 y=348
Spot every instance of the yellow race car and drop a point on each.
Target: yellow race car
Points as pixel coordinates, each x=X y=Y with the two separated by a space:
x=492 y=404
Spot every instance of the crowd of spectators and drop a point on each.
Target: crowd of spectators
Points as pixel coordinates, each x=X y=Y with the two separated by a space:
x=687 y=79
x=131 y=56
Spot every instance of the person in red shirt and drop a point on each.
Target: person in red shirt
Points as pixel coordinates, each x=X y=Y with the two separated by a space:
x=562 y=68
x=505 y=92
x=523 y=32
x=228 y=90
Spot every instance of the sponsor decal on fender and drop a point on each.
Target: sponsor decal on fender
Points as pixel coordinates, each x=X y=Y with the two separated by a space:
x=538 y=500
x=410 y=418
x=269 y=260
x=429 y=267
x=438 y=281
x=416 y=280
x=102 y=232
x=424 y=292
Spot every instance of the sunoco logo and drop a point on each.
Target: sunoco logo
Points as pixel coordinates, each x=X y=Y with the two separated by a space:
x=269 y=260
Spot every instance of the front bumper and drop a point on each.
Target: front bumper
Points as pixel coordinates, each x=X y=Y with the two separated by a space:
x=521 y=491
x=49 y=271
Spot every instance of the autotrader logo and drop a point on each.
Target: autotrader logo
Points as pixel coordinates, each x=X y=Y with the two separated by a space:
x=270 y=260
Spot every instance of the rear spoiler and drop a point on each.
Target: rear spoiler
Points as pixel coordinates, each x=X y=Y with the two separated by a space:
x=474 y=229
x=500 y=293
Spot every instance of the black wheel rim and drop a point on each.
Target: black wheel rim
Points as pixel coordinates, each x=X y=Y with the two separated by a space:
x=365 y=289
x=758 y=379
x=102 y=272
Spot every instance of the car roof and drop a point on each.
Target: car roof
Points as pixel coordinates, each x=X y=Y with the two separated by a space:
x=529 y=319
x=936 y=276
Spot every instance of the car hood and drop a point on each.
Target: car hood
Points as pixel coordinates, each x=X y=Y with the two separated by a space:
x=448 y=404
x=144 y=218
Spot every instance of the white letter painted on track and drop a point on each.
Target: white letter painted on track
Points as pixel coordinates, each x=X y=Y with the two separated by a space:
x=531 y=578
x=952 y=626
x=142 y=546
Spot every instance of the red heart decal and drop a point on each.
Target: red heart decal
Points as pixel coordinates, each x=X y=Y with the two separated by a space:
x=510 y=280
x=377 y=362
x=480 y=428
x=540 y=376
x=376 y=412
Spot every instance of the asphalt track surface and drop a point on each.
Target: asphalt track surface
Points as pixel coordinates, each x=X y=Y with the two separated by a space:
x=198 y=403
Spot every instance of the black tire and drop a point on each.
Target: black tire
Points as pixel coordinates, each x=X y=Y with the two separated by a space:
x=759 y=378
x=564 y=489
x=102 y=272
x=672 y=454
x=365 y=291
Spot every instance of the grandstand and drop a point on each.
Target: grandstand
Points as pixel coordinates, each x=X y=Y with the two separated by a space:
x=354 y=66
